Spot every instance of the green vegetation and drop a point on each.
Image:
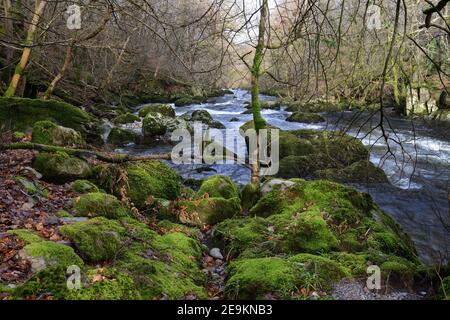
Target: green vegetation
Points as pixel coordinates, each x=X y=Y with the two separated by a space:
x=48 y=132
x=60 y=167
x=99 y=205
x=219 y=186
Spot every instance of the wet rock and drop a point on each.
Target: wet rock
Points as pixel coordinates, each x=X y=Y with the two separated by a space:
x=48 y=132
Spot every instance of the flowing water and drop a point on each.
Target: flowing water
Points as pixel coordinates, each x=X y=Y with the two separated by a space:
x=418 y=165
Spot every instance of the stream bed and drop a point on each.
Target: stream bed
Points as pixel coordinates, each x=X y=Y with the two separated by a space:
x=418 y=165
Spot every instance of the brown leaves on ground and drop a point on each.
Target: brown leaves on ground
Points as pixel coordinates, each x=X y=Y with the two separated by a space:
x=13 y=269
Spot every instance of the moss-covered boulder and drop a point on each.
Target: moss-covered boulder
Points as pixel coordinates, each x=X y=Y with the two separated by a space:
x=99 y=205
x=126 y=118
x=313 y=106
x=163 y=266
x=21 y=114
x=218 y=186
x=303 y=152
x=207 y=211
x=48 y=132
x=205 y=117
x=97 y=239
x=60 y=167
x=120 y=137
x=144 y=181
x=84 y=186
x=308 y=218
x=361 y=171
x=187 y=100
x=154 y=124
x=43 y=254
x=164 y=109
x=305 y=117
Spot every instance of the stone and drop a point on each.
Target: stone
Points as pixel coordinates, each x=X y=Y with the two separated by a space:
x=215 y=253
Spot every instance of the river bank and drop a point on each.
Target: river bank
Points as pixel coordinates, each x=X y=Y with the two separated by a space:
x=137 y=229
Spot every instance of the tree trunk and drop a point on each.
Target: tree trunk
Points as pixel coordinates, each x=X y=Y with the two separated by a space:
x=256 y=72
x=39 y=9
x=61 y=72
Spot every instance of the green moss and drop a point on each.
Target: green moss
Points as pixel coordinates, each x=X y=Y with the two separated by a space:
x=154 y=124
x=19 y=135
x=272 y=203
x=305 y=232
x=208 y=211
x=253 y=278
x=49 y=133
x=145 y=181
x=126 y=118
x=325 y=270
x=357 y=172
x=27 y=236
x=106 y=284
x=51 y=253
x=21 y=113
x=187 y=100
x=167 y=226
x=120 y=136
x=63 y=214
x=235 y=235
x=291 y=145
x=219 y=187
x=164 y=109
x=305 y=117
x=84 y=186
x=60 y=167
x=99 y=205
x=356 y=263
x=398 y=268
x=32 y=187
x=98 y=239
x=250 y=195
x=50 y=281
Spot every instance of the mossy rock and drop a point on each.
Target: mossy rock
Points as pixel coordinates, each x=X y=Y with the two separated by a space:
x=21 y=113
x=99 y=204
x=154 y=124
x=219 y=187
x=187 y=100
x=106 y=284
x=60 y=167
x=292 y=145
x=312 y=106
x=305 y=117
x=49 y=133
x=205 y=117
x=27 y=236
x=164 y=109
x=97 y=239
x=84 y=186
x=43 y=254
x=167 y=227
x=126 y=118
x=146 y=181
x=308 y=218
x=120 y=137
x=250 y=195
x=361 y=171
x=33 y=188
x=208 y=211
x=254 y=278
x=163 y=265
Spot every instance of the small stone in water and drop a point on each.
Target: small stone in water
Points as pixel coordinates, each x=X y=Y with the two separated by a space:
x=215 y=253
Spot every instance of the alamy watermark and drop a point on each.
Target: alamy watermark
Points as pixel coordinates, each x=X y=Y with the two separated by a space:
x=373 y=281
x=74 y=19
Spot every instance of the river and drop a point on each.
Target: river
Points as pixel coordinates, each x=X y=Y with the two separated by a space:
x=418 y=166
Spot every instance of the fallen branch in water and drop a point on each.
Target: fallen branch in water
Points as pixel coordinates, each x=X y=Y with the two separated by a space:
x=103 y=156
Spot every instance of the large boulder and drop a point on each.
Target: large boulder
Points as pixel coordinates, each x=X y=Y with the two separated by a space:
x=218 y=186
x=144 y=182
x=207 y=211
x=361 y=171
x=60 y=167
x=126 y=118
x=99 y=204
x=305 y=117
x=205 y=117
x=318 y=229
x=21 y=113
x=119 y=136
x=154 y=124
x=48 y=132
